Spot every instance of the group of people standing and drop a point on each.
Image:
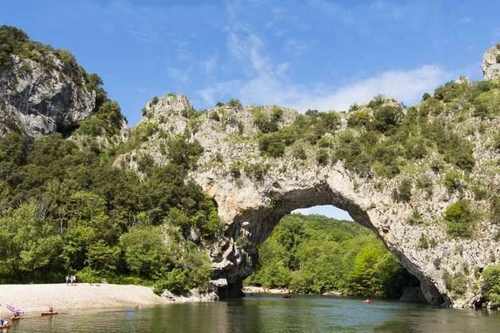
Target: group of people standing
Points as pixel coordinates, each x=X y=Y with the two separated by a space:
x=70 y=279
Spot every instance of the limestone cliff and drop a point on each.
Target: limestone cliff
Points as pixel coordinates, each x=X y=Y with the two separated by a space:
x=255 y=186
x=42 y=90
x=491 y=63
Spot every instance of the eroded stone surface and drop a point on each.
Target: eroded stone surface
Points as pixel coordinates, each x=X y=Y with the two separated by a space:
x=491 y=63
x=251 y=207
x=40 y=99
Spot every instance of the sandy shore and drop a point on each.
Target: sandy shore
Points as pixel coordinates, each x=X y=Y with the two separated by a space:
x=36 y=298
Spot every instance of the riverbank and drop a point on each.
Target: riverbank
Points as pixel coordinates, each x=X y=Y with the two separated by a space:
x=37 y=298
x=280 y=291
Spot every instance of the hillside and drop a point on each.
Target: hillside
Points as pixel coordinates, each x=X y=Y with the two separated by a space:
x=316 y=255
x=188 y=195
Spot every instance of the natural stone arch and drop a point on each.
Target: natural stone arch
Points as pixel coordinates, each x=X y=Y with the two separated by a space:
x=250 y=203
x=253 y=221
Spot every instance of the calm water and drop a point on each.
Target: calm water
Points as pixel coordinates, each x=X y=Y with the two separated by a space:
x=271 y=314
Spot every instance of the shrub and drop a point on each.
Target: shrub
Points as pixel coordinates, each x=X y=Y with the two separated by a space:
x=256 y=171
x=322 y=156
x=235 y=170
x=491 y=283
x=459 y=219
x=263 y=122
x=403 y=192
x=88 y=275
x=425 y=183
x=272 y=145
x=234 y=103
x=214 y=115
x=359 y=119
x=276 y=114
x=299 y=153
x=495 y=209
x=387 y=118
x=453 y=181
x=423 y=243
x=415 y=218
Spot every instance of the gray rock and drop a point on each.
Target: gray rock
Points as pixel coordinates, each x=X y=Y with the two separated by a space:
x=250 y=208
x=39 y=99
x=491 y=63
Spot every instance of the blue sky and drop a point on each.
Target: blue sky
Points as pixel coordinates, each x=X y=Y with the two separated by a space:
x=321 y=54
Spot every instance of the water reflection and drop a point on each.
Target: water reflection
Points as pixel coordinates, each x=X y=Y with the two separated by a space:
x=270 y=314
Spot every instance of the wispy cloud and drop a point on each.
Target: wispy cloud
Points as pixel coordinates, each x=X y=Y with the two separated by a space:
x=266 y=82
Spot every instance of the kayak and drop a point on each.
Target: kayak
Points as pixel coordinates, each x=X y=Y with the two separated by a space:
x=49 y=313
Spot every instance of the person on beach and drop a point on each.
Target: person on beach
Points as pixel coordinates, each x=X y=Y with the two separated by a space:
x=67 y=279
x=4 y=323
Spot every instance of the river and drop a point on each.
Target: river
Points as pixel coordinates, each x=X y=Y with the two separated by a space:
x=270 y=314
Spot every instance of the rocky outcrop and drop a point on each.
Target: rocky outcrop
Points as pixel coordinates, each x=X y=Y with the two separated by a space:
x=39 y=100
x=491 y=63
x=251 y=202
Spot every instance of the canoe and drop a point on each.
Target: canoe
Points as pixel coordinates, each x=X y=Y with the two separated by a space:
x=49 y=313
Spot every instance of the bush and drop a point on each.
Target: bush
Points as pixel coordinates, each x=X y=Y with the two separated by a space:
x=299 y=153
x=423 y=243
x=272 y=145
x=403 y=192
x=415 y=218
x=88 y=275
x=359 y=119
x=459 y=219
x=235 y=170
x=387 y=118
x=234 y=103
x=491 y=283
x=322 y=156
x=264 y=122
x=453 y=181
x=495 y=209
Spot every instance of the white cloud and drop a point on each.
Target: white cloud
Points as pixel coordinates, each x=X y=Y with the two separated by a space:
x=404 y=85
x=267 y=83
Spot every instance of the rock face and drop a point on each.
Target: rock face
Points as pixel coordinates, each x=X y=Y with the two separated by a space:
x=491 y=63
x=37 y=98
x=251 y=203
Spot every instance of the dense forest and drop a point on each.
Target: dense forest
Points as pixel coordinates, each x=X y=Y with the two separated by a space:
x=314 y=254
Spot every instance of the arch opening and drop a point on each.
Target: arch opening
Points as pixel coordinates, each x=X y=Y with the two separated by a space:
x=253 y=226
x=321 y=250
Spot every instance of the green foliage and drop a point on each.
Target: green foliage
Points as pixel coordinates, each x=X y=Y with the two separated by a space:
x=106 y=121
x=459 y=219
x=234 y=103
x=453 y=181
x=495 y=209
x=144 y=251
x=403 y=192
x=264 y=121
x=491 y=283
x=314 y=254
x=272 y=145
x=456 y=283
x=415 y=218
x=387 y=118
x=14 y=41
x=65 y=209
